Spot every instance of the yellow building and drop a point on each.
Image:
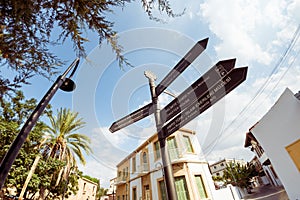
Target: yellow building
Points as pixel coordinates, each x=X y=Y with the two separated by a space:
x=140 y=174
x=87 y=190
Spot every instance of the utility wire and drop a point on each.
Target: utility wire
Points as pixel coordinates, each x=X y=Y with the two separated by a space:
x=259 y=92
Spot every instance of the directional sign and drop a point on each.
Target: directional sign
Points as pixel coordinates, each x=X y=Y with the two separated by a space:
x=131 y=118
x=223 y=87
x=196 y=50
x=197 y=89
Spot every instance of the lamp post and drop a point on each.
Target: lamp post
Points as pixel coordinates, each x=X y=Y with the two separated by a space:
x=62 y=82
x=167 y=165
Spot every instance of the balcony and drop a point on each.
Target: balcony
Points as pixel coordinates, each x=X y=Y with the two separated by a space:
x=121 y=180
x=263 y=158
x=174 y=154
x=143 y=169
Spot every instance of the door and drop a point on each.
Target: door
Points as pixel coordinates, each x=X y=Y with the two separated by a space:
x=147 y=192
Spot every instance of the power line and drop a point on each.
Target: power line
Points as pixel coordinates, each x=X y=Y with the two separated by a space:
x=259 y=92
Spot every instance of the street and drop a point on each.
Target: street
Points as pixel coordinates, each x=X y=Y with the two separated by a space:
x=268 y=192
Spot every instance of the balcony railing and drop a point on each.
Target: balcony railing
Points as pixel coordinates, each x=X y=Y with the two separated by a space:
x=121 y=180
x=174 y=154
x=143 y=168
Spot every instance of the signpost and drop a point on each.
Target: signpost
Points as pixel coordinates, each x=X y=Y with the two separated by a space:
x=147 y=110
x=197 y=49
x=210 y=97
x=197 y=89
x=221 y=79
x=132 y=117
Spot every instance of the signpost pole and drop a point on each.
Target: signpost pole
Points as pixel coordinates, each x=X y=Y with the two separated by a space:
x=167 y=166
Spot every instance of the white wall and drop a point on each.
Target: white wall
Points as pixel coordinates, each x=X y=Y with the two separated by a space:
x=154 y=176
x=277 y=129
x=228 y=193
x=203 y=170
x=136 y=183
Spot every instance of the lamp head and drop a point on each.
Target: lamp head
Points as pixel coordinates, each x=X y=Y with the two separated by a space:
x=68 y=85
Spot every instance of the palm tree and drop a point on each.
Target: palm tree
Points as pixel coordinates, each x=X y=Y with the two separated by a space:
x=239 y=174
x=64 y=143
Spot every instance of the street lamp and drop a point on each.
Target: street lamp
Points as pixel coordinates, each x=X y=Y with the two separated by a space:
x=62 y=82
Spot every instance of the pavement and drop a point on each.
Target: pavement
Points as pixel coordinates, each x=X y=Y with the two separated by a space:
x=267 y=192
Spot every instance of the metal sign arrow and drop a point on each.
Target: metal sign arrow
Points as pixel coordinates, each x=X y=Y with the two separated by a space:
x=132 y=117
x=197 y=89
x=223 y=87
x=196 y=50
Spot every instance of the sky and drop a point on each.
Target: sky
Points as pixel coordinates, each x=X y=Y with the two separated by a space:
x=262 y=35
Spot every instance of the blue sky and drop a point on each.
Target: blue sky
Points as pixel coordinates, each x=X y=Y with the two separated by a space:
x=256 y=33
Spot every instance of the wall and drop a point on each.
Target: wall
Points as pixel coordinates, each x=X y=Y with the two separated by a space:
x=279 y=128
x=87 y=190
x=228 y=193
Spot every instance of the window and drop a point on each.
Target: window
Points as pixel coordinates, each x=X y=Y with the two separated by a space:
x=124 y=174
x=259 y=150
x=172 y=148
x=294 y=152
x=133 y=164
x=84 y=184
x=162 y=189
x=188 y=144
x=181 y=188
x=144 y=157
x=147 y=192
x=145 y=162
x=134 y=194
x=157 y=150
x=200 y=186
x=222 y=164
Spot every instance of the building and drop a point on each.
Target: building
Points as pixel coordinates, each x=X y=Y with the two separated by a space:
x=140 y=173
x=261 y=178
x=87 y=190
x=217 y=168
x=111 y=192
x=278 y=133
x=267 y=174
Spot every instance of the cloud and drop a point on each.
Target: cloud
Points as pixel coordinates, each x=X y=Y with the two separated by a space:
x=95 y=168
x=249 y=30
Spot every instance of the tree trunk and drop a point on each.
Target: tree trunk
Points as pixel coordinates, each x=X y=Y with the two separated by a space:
x=34 y=165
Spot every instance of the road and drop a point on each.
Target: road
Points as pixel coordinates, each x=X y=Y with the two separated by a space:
x=267 y=192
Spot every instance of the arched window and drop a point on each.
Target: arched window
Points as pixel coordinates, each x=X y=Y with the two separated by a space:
x=145 y=161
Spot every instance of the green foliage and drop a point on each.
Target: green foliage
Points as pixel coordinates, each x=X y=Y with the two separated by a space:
x=95 y=180
x=12 y=114
x=26 y=33
x=101 y=192
x=66 y=186
x=64 y=143
x=238 y=174
x=17 y=109
x=217 y=178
